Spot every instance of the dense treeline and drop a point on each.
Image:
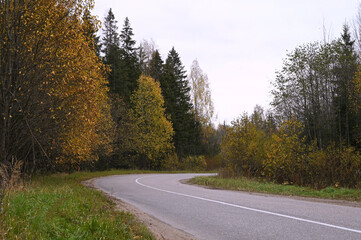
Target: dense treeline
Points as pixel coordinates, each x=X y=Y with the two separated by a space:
x=70 y=99
x=312 y=136
x=127 y=62
x=254 y=146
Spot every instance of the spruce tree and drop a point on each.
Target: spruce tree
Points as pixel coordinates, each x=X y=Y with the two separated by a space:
x=155 y=66
x=110 y=35
x=345 y=70
x=111 y=51
x=176 y=92
x=127 y=40
x=129 y=65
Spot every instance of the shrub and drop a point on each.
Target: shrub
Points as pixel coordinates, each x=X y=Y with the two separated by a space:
x=214 y=162
x=194 y=163
x=242 y=147
x=318 y=170
x=285 y=157
x=286 y=154
x=171 y=162
x=227 y=172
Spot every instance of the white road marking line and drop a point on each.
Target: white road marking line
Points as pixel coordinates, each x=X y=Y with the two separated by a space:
x=248 y=208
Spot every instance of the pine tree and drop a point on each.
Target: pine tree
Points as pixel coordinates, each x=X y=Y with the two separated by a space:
x=129 y=66
x=176 y=94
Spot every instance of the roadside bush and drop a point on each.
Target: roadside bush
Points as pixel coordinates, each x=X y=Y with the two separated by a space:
x=335 y=166
x=214 y=162
x=194 y=163
x=171 y=162
x=318 y=168
x=242 y=147
x=285 y=157
x=345 y=166
x=227 y=172
x=286 y=154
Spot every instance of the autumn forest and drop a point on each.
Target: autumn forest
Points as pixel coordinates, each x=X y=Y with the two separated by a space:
x=80 y=94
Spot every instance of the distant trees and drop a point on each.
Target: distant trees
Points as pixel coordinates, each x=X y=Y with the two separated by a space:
x=315 y=86
x=344 y=71
x=313 y=136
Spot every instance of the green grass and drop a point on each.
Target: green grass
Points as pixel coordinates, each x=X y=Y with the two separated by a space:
x=253 y=185
x=59 y=207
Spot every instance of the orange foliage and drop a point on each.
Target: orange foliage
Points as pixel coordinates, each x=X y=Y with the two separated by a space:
x=61 y=82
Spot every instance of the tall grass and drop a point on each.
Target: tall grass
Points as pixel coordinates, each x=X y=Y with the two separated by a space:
x=60 y=207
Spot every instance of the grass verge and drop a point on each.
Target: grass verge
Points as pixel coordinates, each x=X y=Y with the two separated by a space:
x=252 y=185
x=60 y=207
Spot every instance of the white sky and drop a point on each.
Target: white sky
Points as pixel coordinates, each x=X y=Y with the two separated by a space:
x=239 y=44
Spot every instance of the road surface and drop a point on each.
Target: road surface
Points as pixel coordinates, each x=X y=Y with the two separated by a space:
x=219 y=214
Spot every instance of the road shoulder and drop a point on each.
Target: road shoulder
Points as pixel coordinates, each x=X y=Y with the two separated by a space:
x=160 y=229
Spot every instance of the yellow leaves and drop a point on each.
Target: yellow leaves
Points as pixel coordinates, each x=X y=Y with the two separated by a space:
x=59 y=76
x=242 y=145
x=153 y=131
x=286 y=151
x=72 y=76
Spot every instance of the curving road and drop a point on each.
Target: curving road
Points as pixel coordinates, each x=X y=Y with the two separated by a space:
x=219 y=214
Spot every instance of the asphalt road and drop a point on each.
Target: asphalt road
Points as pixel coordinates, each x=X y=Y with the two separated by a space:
x=219 y=214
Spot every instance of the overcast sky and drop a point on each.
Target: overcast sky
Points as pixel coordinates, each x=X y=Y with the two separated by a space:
x=239 y=44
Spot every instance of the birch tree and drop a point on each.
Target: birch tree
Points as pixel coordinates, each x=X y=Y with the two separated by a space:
x=201 y=95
